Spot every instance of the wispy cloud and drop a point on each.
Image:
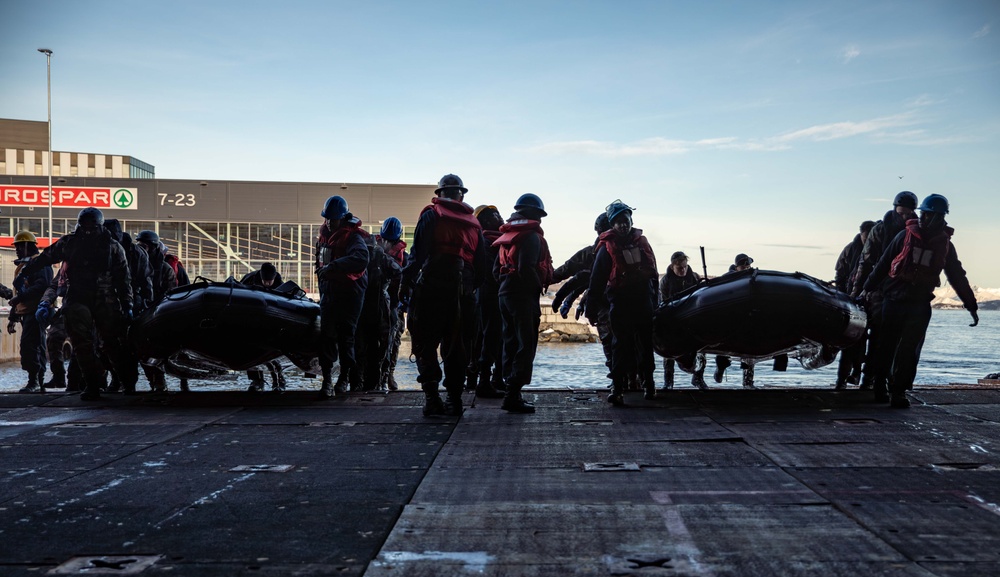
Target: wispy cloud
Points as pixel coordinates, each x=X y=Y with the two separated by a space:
x=982 y=31
x=838 y=130
x=850 y=52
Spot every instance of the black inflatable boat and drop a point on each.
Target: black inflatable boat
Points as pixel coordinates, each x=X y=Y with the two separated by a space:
x=208 y=327
x=758 y=314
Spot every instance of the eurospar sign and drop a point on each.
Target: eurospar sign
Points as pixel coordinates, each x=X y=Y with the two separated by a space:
x=69 y=197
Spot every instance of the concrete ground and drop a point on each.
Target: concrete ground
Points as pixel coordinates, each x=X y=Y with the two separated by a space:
x=714 y=483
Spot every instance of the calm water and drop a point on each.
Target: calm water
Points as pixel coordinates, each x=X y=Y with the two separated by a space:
x=953 y=353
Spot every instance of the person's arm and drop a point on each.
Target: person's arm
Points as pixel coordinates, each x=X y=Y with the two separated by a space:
x=956 y=276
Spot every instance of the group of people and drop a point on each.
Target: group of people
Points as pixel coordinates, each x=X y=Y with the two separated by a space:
x=468 y=291
x=105 y=279
x=893 y=266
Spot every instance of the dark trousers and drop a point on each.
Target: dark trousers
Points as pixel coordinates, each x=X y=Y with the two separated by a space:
x=904 y=326
x=339 y=312
x=32 y=345
x=876 y=360
x=850 y=361
x=86 y=322
x=55 y=342
x=521 y=316
x=491 y=334
x=632 y=341
x=442 y=317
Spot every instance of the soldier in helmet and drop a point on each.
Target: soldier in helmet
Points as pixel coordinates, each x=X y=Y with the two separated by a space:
x=390 y=238
x=341 y=261
x=875 y=373
x=624 y=280
x=98 y=299
x=447 y=264
x=524 y=270
x=907 y=274
x=28 y=291
x=162 y=279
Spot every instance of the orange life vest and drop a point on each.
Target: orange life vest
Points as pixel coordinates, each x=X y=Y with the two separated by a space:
x=457 y=230
x=509 y=243
x=922 y=259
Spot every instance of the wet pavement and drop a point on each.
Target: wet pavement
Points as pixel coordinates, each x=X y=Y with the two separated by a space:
x=719 y=482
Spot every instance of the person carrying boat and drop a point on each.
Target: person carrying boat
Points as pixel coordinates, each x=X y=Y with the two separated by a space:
x=485 y=364
x=98 y=301
x=849 y=369
x=742 y=262
x=907 y=274
x=266 y=277
x=524 y=270
x=680 y=277
x=163 y=279
x=447 y=264
x=341 y=263
x=876 y=373
x=54 y=325
x=391 y=239
x=23 y=301
x=624 y=280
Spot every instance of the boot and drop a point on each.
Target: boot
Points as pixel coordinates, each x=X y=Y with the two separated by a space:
x=840 y=385
x=185 y=388
x=866 y=382
x=617 y=396
x=513 y=402
x=393 y=386
x=485 y=390
x=633 y=383
x=899 y=401
x=433 y=405
x=668 y=374
x=698 y=380
x=881 y=389
x=343 y=380
x=748 y=377
x=257 y=383
x=33 y=385
x=471 y=379
x=453 y=406
x=326 y=390
x=496 y=381
x=648 y=389
x=58 y=380
x=277 y=378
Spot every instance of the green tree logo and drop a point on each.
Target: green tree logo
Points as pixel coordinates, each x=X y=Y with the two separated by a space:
x=123 y=198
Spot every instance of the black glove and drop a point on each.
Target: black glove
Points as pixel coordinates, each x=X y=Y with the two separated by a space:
x=5 y=292
x=14 y=300
x=975 y=318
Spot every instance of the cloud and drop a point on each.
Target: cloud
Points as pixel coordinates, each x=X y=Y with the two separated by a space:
x=982 y=31
x=838 y=130
x=851 y=51
x=895 y=129
x=798 y=246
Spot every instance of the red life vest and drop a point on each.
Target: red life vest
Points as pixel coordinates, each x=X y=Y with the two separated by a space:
x=457 y=230
x=631 y=257
x=511 y=235
x=173 y=261
x=336 y=243
x=396 y=251
x=922 y=259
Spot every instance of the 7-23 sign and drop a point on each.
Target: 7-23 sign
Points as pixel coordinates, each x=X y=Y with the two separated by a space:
x=177 y=199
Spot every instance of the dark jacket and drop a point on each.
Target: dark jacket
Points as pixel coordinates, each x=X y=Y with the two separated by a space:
x=582 y=259
x=671 y=284
x=847 y=262
x=253 y=278
x=29 y=287
x=530 y=274
x=899 y=289
x=96 y=268
x=878 y=239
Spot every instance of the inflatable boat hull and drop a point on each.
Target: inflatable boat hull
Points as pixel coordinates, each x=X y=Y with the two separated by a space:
x=757 y=314
x=210 y=326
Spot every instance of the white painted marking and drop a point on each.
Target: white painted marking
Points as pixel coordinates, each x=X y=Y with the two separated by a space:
x=475 y=561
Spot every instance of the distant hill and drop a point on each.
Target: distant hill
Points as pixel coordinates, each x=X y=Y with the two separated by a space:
x=945 y=298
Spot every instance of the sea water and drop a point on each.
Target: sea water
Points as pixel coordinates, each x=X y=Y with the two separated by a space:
x=953 y=353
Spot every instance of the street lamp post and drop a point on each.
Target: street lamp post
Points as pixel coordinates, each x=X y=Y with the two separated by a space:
x=48 y=84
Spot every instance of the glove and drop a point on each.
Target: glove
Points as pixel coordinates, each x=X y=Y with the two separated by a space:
x=404 y=297
x=14 y=300
x=43 y=313
x=12 y=326
x=579 y=312
x=564 y=309
x=5 y=292
x=975 y=318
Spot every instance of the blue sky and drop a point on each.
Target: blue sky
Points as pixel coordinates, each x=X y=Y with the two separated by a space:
x=771 y=128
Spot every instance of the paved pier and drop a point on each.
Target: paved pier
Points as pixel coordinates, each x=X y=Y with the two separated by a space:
x=720 y=483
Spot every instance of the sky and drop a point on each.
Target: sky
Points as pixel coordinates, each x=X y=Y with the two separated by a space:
x=772 y=128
